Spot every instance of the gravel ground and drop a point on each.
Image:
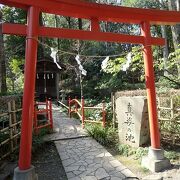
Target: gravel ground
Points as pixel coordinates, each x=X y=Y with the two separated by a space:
x=47 y=164
x=172 y=173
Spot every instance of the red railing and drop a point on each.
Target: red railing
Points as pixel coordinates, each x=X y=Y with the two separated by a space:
x=45 y=110
x=79 y=108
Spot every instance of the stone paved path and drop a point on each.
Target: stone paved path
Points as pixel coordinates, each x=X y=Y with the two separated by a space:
x=82 y=157
x=64 y=127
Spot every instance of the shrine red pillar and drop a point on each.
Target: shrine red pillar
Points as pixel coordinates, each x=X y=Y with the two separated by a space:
x=29 y=87
x=150 y=86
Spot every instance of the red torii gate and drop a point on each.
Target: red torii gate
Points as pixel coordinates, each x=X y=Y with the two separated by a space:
x=95 y=13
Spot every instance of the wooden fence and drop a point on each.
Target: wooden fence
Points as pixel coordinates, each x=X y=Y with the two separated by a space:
x=169 y=119
x=9 y=129
x=79 y=108
x=75 y=106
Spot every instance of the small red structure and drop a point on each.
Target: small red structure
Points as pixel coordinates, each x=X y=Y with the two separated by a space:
x=43 y=115
x=94 y=13
x=79 y=109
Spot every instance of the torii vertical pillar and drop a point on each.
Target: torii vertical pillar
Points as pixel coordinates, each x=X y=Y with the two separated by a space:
x=25 y=170
x=155 y=161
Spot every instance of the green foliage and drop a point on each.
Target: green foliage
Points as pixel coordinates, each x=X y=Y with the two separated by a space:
x=14 y=45
x=15 y=65
x=15 y=79
x=11 y=93
x=173 y=64
x=14 y=15
x=140 y=152
x=126 y=150
x=171 y=79
x=14 y=49
x=172 y=155
x=91 y=102
x=137 y=153
x=115 y=65
x=164 y=85
x=114 y=78
x=109 y=113
x=97 y=84
x=123 y=149
x=105 y=136
x=142 y=3
x=97 y=114
x=3 y=137
x=92 y=114
x=38 y=141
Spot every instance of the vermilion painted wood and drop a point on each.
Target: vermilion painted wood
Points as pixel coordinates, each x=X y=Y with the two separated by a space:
x=18 y=29
x=29 y=87
x=150 y=86
x=96 y=36
x=69 y=102
x=14 y=29
x=51 y=116
x=95 y=27
x=47 y=112
x=82 y=112
x=103 y=115
x=102 y=12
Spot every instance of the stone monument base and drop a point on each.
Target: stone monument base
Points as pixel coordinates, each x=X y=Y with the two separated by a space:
x=28 y=174
x=155 y=161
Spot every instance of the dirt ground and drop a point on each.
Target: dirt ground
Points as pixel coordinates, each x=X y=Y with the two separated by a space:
x=47 y=164
x=173 y=173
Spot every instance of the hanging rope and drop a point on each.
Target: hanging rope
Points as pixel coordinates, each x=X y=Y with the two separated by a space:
x=75 y=54
x=89 y=56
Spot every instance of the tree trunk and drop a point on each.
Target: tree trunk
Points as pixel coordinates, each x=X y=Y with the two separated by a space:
x=165 y=48
x=80 y=25
x=174 y=6
x=81 y=85
x=3 y=86
x=178 y=5
x=58 y=57
x=69 y=22
x=42 y=39
x=58 y=40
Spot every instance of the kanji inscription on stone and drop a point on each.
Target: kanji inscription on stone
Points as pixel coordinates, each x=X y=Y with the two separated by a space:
x=132 y=116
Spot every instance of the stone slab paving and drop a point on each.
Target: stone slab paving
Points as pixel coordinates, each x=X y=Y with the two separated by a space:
x=82 y=157
x=64 y=127
x=85 y=159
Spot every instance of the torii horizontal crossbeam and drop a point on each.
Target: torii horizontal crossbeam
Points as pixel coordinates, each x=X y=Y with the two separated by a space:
x=17 y=29
x=80 y=9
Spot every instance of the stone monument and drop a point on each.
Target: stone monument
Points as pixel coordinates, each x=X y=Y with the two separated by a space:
x=132 y=116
